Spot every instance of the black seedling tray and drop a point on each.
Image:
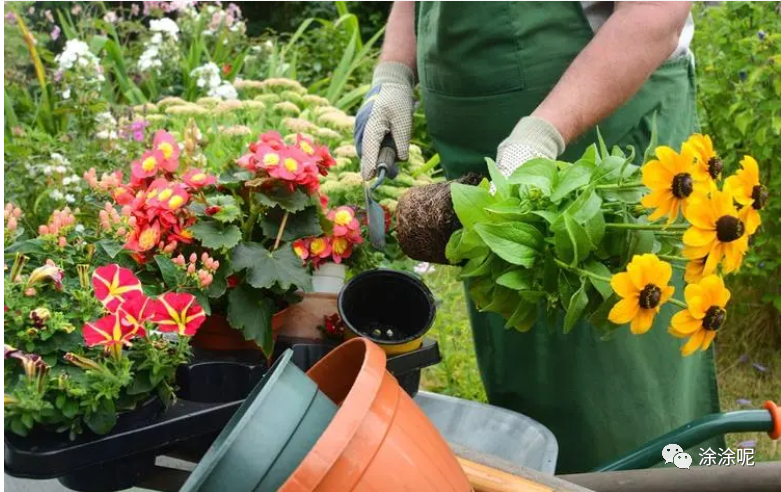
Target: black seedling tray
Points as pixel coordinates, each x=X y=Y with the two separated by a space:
x=211 y=389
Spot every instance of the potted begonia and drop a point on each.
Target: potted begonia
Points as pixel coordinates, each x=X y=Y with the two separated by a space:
x=227 y=239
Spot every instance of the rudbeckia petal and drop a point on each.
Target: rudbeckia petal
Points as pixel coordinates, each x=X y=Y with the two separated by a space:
x=643 y=321
x=623 y=286
x=624 y=311
x=751 y=170
x=684 y=324
x=694 y=343
x=709 y=336
x=700 y=215
x=714 y=257
x=660 y=272
x=655 y=175
x=698 y=237
x=667 y=293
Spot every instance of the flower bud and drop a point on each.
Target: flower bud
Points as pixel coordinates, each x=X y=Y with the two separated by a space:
x=191 y=268
x=193 y=258
x=62 y=242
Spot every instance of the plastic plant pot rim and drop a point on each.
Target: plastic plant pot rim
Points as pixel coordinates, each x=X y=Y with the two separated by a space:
x=353 y=409
x=248 y=410
x=415 y=337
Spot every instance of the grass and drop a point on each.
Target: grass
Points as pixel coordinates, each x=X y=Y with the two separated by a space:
x=737 y=351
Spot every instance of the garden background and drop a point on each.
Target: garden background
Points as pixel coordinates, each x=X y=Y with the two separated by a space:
x=224 y=74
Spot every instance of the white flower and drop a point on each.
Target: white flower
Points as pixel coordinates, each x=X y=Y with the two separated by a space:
x=70 y=198
x=47 y=170
x=165 y=25
x=66 y=94
x=79 y=228
x=61 y=169
x=225 y=91
x=66 y=180
x=57 y=195
x=423 y=268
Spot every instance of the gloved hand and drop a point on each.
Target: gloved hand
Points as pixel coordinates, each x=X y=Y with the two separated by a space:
x=531 y=138
x=387 y=109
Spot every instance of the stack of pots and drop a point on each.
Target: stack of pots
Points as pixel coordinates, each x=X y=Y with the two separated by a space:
x=345 y=425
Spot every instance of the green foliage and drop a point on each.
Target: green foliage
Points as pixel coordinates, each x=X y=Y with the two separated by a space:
x=738 y=48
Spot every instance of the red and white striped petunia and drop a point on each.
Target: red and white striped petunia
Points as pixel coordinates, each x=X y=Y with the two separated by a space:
x=109 y=331
x=135 y=311
x=178 y=312
x=114 y=285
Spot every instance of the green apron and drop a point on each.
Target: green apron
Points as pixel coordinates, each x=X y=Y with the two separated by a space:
x=482 y=66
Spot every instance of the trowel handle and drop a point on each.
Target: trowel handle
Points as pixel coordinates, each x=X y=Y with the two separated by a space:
x=386 y=161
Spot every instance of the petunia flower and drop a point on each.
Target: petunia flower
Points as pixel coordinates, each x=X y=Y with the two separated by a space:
x=195 y=178
x=717 y=231
x=166 y=144
x=344 y=221
x=148 y=165
x=48 y=272
x=178 y=312
x=135 y=311
x=110 y=332
x=643 y=289
x=673 y=180
x=114 y=285
x=705 y=313
x=746 y=189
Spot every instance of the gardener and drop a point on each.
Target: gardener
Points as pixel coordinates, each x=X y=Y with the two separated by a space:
x=520 y=80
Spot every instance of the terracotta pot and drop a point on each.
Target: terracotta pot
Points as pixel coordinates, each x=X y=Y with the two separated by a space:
x=379 y=439
x=304 y=318
x=216 y=334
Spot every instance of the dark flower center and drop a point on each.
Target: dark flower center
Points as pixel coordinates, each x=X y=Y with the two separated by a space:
x=650 y=296
x=760 y=194
x=715 y=166
x=714 y=318
x=729 y=228
x=682 y=185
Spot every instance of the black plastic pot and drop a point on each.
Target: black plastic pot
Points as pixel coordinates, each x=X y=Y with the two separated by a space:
x=393 y=309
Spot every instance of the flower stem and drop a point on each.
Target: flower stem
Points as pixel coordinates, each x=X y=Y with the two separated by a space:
x=620 y=186
x=580 y=271
x=281 y=230
x=672 y=258
x=678 y=303
x=648 y=227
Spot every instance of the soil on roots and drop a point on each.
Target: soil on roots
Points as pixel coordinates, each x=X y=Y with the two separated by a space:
x=426 y=220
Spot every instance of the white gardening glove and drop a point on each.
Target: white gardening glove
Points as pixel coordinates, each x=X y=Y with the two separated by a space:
x=531 y=138
x=387 y=108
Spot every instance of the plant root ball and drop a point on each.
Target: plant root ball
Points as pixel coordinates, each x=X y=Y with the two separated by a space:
x=426 y=220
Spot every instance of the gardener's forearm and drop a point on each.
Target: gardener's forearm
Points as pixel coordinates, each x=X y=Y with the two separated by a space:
x=632 y=43
x=399 y=45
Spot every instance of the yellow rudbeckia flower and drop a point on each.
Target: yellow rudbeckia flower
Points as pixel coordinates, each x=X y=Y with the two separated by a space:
x=694 y=270
x=717 y=231
x=745 y=187
x=708 y=163
x=643 y=289
x=705 y=313
x=672 y=179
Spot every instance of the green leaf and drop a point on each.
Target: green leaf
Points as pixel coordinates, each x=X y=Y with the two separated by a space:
x=640 y=242
x=250 y=311
x=549 y=217
x=477 y=267
x=172 y=276
x=497 y=178
x=604 y=288
x=229 y=209
x=302 y=224
x=598 y=318
x=203 y=300
x=266 y=269
x=292 y=202
x=577 y=304
x=234 y=177
x=743 y=120
x=515 y=242
x=503 y=302
x=576 y=176
x=595 y=228
x=585 y=206
x=610 y=169
x=111 y=247
x=103 y=418
x=470 y=202
x=652 y=144
x=540 y=173
x=480 y=291
x=523 y=317
x=214 y=235
x=516 y=279
x=570 y=240
x=142 y=383
x=464 y=245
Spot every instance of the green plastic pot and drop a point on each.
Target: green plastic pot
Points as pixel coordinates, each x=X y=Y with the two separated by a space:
x=268 y=436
